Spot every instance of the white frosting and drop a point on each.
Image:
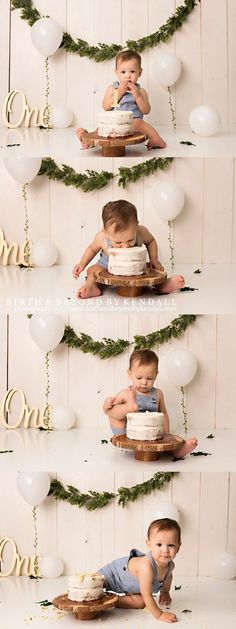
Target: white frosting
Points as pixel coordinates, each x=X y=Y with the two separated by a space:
x=146 y=426
x=85 y=587
x=115 y=123
x=127 y=261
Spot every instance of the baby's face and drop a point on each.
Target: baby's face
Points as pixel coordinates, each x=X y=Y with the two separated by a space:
x=142 y=376
x=122 y=239
x=128 y=70
x=163 y=545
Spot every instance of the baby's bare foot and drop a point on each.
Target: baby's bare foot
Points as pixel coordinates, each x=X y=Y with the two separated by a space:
x=88 y=290
x=173 y=283
x=186 y=448
x=155 y=141
x=81 y=135
x=132 y=400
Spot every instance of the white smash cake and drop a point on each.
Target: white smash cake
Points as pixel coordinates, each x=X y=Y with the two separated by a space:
x=115 y=124
x=127 y=261
x=85 y=587
x=147 y=426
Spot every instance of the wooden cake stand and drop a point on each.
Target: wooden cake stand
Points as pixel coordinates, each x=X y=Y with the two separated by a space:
x=132 y=285
x=113 y=147
x=148 y=450
x=88 y=610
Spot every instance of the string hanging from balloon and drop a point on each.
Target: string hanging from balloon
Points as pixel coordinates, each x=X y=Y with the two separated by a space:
x=47 y=392
x=35 y=544
x=184 y=410
x=172 y=110
x=171 y=245
x=47 y=92
x=24 y=190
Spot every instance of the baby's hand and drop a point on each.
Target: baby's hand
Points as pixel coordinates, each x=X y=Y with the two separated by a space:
x=123 y=88
x=108 y=404
x=164 y=598
x=156 y=264
x=167 y=617
x=78 y=268
x=132 y=89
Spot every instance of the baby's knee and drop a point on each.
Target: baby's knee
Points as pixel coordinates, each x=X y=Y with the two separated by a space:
x=139 y=602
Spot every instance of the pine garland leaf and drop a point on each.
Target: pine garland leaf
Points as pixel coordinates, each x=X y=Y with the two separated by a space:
x=104 y=52
x=88 y=181
x=158 y=481
x=104 y=349
x=97 y=500
x=173 y=330
x=127 y=175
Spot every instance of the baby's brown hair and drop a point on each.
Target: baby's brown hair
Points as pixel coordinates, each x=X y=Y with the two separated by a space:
x=164 y=524
x=144 y=357
x=119 y=213
x=126 y=55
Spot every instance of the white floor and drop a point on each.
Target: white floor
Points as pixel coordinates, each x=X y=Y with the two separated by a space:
x=58 y=142
x=212 y=604
x=36 y=450
x=55 y=289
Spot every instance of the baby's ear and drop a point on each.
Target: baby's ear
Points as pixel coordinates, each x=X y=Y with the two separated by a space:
x=140 y=71
x=148 y=543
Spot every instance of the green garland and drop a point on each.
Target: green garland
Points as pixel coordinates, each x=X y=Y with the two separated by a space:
x=92 y=180
x=108 y=347
x=104 y=52
x=97 y=500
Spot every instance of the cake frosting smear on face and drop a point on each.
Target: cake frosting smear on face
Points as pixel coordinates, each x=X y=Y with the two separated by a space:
x=145 y=426
x=115 y=124
x=85 y=587
x=127 y=261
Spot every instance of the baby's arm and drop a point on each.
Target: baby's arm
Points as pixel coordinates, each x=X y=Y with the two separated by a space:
x=162 y=409
x=121 y=406
x=145 y=576
x=108 y=100
x=89 y=254
x=150 y=242
x=165 y=598
x=141 y=98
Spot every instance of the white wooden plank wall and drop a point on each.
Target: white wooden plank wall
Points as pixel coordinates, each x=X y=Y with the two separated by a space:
x=70 y=217
x=205 y=44
x=86 y=540
x=209 y=397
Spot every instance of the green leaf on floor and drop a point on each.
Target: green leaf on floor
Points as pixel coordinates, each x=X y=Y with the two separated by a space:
x=104 y=441
x=199 y=453
x=5 y=451
x=187 y=142
x=178 y=587
x=44 y=603
x=198 y=271
x=186 y=611
x=210 y=436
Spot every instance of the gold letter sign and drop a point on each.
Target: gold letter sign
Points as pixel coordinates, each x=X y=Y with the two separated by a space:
x=17 y=565
x=28 y=117
x=28 y=417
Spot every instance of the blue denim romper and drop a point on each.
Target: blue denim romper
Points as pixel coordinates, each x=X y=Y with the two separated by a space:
x=127 y=102
x=119 y=579
x=144 y=403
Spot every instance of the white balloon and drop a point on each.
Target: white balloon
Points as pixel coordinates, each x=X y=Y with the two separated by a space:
x=46 y=36
x=33 y=486
x=168 y=200
x=167 y=68
x=51 y=566
x=62 y=417
x=43 y=253
x=204 y=120
x=164 y=509
x=23 y=169
x=47 y=330
x=225 y=566
x=181 y=366
x=61 y=117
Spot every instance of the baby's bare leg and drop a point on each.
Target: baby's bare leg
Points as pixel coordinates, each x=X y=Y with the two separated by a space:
x=81 y=135
x=131 y=601
x=171 y=284
x=90 y=288
x=154 y=139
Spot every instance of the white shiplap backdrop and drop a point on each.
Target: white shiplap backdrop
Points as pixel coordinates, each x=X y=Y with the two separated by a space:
x=86 y=540
x=83 y=381
x=204 y=232
x=205 y=44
